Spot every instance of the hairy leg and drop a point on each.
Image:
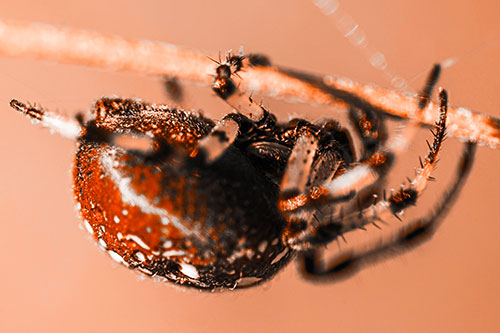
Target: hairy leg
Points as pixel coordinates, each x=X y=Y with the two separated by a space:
x=301 y=218
x=351 y=257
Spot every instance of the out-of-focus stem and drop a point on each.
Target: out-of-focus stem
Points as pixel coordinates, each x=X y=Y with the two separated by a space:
x=97 y=50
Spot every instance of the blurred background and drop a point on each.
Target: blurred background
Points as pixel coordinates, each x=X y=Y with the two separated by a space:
x=53 y=278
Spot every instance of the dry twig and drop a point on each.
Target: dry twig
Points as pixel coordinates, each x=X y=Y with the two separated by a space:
x=104 y=51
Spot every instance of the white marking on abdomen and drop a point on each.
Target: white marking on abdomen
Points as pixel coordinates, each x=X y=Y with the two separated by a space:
x=189 y=270
x=173 y=253
x=129 y=196
x=138 y=240
x=88 y=227
x=116 y=257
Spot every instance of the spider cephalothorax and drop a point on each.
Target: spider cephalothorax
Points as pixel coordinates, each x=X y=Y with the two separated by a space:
x=228 y=204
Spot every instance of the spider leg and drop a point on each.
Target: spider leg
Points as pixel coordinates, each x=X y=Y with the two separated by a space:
x=297 y=177
x=219 y=139
x=408 y=195
x=391 y=241
x=150 y=126
x=65 y=127
x=299 y=185
x=308 y=166
x=342 y=222
x=369 y=126
x=400 y=142
x=299 y=165
x=225 y=87
x=377 y=164
x=244 y=104
x=173 y=89
x=175 y=92
x=432 y=79
x=226 y=130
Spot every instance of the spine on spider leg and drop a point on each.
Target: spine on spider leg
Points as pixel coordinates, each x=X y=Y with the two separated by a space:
x=67 y=128
x=423 y=176
x=408 y=196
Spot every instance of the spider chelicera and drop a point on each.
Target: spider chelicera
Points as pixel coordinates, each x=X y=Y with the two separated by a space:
x=227 y=204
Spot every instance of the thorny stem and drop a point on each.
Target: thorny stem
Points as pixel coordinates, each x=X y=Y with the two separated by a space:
x=104 y=51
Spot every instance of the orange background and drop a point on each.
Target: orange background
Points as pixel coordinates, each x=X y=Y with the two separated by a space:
x=54 y=279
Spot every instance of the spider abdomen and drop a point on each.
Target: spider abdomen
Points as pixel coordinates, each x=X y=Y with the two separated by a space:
x=208 y=226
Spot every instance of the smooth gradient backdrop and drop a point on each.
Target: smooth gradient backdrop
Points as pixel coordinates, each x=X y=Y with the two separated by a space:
x=54 y=279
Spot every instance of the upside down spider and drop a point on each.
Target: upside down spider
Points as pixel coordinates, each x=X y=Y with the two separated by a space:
x=227 y=204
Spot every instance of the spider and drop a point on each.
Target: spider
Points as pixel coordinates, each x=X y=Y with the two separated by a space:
x=228 y=204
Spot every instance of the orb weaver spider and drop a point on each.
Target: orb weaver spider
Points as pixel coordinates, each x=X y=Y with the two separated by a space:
x=227 y=204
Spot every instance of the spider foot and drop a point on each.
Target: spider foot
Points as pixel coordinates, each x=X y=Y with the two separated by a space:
x=56 y=123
